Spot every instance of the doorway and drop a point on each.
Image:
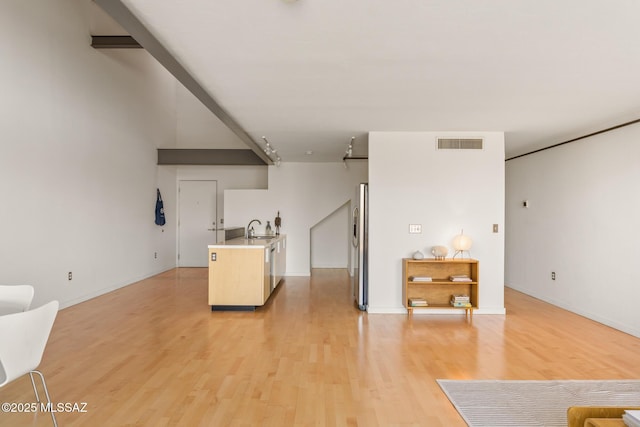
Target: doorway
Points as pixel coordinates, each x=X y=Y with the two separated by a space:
x=197 y=221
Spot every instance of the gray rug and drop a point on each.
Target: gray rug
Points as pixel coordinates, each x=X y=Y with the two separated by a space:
x=493 y=403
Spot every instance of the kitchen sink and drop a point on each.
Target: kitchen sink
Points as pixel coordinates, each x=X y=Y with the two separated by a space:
x=261 y=237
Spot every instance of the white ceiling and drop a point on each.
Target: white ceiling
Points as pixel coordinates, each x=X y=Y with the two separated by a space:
x=310 y=74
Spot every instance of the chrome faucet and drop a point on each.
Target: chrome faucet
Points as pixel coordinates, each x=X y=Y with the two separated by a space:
x=250 y=231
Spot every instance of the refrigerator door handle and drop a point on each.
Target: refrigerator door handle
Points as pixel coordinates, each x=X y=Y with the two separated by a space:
x=355 y=227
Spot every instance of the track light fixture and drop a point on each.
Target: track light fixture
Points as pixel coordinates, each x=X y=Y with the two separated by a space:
x=271 y=152
x=349 y=151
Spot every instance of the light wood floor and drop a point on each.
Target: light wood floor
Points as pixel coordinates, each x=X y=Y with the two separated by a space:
x=153 y=354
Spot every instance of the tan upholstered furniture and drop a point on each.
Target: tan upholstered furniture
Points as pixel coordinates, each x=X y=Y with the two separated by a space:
x=596 y=416
x=604 y=422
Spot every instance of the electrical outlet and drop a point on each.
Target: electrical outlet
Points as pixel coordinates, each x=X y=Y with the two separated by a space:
x=70 y=275
x=553 y=275
x=415 y=228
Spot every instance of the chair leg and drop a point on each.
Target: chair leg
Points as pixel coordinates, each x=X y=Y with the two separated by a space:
x=35 y=389
x=46 y=392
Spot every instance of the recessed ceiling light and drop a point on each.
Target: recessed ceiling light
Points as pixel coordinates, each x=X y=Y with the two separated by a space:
x=309 y=152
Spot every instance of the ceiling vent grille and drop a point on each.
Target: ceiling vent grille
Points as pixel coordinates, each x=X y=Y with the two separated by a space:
x=460 y=143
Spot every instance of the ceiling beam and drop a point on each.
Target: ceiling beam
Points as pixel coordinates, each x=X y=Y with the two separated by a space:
x=139 y=32
x=218 y=157
x=114 y=42
x=632 y=122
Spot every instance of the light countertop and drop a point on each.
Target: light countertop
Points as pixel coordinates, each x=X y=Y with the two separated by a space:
x=243 y=242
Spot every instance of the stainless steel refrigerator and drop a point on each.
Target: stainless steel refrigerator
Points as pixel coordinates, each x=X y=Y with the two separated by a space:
x=361 y=244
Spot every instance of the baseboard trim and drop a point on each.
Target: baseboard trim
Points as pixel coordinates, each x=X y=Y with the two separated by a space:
x=431 y=311
x=297 y=274
x=106 y=290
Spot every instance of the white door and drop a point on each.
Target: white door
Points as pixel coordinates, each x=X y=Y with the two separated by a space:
x=196 y=221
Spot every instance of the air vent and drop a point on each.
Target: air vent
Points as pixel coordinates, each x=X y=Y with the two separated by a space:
x=460 y=143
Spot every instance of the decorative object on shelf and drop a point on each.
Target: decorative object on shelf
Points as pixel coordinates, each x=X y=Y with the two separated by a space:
x=462 y=243
x=277 y=222
x=460 y=300
x=418 y=302
x=418 y=255
x=440 y=252
x=421 y=279
x=268 y=230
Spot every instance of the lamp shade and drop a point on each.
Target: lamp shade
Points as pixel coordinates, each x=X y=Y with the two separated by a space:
x=462 y=242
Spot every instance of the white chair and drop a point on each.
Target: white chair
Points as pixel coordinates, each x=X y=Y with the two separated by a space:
x=14 y=299
x=23 y=338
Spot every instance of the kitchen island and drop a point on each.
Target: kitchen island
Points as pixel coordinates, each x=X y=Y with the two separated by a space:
x=244 y=272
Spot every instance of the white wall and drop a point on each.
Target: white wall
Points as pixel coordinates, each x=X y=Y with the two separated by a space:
x=228 y=177
x=410 y=182
x=78 y=131
x=198 y=127
x=331 y=240
x=304 y=193
x=582 y=223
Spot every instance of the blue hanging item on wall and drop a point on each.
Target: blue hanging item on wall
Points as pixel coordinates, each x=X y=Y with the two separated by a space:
x=159 y=210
